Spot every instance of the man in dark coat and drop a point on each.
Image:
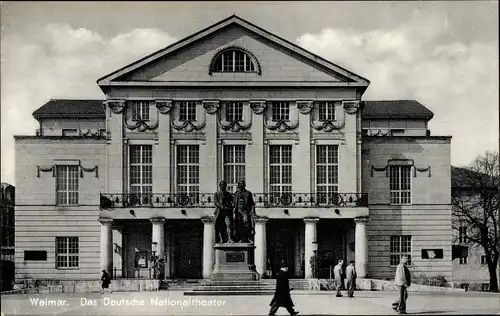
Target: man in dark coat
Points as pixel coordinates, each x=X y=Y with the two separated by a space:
x=223 y=201
x=282 y=295
x=106 y=281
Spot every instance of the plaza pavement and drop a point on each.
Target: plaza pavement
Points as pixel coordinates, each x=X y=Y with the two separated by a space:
x=319 y=303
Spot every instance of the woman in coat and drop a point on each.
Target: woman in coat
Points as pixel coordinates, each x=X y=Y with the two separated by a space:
x=282 y=294
x=106 y=281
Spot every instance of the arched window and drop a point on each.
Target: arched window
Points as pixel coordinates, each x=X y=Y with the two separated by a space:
x=234 y=60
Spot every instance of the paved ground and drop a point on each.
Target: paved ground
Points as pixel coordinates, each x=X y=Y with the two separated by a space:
x=322 y=303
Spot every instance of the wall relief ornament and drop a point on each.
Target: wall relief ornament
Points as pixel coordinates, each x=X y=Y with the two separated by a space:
x=80 y=167
x=258 y=107
x=305 y=106
x=211 y=106
x=379 y=132
x=281 y=126
x=89 y=132
x=188 y=125
x=235 y=126
x=139 y=124
x=327 y=125
x=351 y=107
x=116 y=106
x=401 y=162
x=164 y=106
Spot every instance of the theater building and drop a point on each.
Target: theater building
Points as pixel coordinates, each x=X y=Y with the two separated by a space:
x=106 y=183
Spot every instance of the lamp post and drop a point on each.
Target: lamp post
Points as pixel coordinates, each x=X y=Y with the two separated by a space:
x=154 y=249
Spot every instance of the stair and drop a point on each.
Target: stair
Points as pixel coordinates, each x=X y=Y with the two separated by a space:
x=261 y=287
x=180 y=284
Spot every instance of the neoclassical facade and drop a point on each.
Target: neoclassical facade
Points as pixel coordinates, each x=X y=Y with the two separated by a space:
x=108 y=184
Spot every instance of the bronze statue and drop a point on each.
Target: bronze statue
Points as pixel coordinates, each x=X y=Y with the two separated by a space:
x=244 y=214
x=223 y=201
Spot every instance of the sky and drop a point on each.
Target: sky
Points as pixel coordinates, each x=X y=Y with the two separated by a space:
x=443 y=54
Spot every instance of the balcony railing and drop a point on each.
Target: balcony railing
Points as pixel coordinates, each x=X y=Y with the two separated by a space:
x=266 y=200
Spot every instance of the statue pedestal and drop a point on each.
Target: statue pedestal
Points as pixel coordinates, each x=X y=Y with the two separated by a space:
x=234 y=262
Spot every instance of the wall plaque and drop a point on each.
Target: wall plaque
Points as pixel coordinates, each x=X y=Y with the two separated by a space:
x=432 y=253
x=235 y=257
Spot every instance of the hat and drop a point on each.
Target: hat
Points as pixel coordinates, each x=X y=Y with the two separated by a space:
x=284 y=264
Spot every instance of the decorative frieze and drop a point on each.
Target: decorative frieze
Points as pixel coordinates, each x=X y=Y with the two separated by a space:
x=164 y=106
x=258 y=107
x=351 y=107
x=116 y=106
x=305 y=107
x=211 y=106
x=81 y=168
x=401 y=162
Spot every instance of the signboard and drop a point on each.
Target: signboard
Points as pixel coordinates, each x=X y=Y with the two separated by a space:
x=141 y=260
x=432 y=253
x=235 y=257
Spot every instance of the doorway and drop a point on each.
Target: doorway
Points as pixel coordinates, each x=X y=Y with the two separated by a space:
x=188 y=249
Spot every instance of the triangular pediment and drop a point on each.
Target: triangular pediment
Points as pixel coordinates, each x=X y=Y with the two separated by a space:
x=192 y=60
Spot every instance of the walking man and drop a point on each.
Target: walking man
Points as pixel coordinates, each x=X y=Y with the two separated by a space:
x=339 y=277
x=350 y=274
x=402 y=281
x=106 y=281
x=282 y=295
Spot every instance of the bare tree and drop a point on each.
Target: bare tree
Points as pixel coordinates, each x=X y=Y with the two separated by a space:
x=475 y=199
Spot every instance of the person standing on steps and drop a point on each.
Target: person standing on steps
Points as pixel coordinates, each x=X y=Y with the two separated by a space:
x=402 y=281
x=350 y=275
x=339 y=277
x=282 y=295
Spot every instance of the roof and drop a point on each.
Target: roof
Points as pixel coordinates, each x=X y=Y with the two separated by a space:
x=233 y=20
x=70 y=108
x=396 y=109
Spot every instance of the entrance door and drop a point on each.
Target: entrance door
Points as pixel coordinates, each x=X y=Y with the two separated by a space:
x=188 y=241
x=281 y=248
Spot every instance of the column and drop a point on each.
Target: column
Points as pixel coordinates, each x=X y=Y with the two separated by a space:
x=208 y=246
x=260 y=245
x=361 y=247
x=158 y=236
x=310 y=245
x=107 y=245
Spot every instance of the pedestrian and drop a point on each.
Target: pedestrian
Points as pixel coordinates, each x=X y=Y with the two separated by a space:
x=350 y=275
x=282 y=294
x=339 y=277
x=402 y=280
x=106 y=281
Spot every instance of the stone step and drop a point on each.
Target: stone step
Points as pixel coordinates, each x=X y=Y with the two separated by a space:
x=234 y=288
x=227 y=293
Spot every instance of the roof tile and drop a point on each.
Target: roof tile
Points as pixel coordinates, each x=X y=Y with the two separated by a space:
x=396 y=109
x=71 y=108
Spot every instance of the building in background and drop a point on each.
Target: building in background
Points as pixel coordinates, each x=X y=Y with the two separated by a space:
x=7 y=236
x=113 y=183
x=470 y=269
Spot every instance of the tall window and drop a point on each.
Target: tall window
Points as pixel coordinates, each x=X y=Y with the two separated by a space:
x=400 y=184
x=187 y=111
x=67 y=185
x=400 y=246
x=280 y=111
x=234 y=111
x=326 y=111
x=188 y=170
x=141 y=171
x=140 y=110
x=234 y=165
x=327 y=171
x=67 y=252
x=462 y=235
x=280 y=169
x=234 y=61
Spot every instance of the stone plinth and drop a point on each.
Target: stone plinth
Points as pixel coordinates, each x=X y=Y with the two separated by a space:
x=234 y=262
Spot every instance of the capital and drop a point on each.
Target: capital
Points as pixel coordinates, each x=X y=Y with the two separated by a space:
x=311 y=220
x=361 y=220
x=105 y=221
x=207 y=219
x=164 y=106
x=261 y=220
x=157 y=220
